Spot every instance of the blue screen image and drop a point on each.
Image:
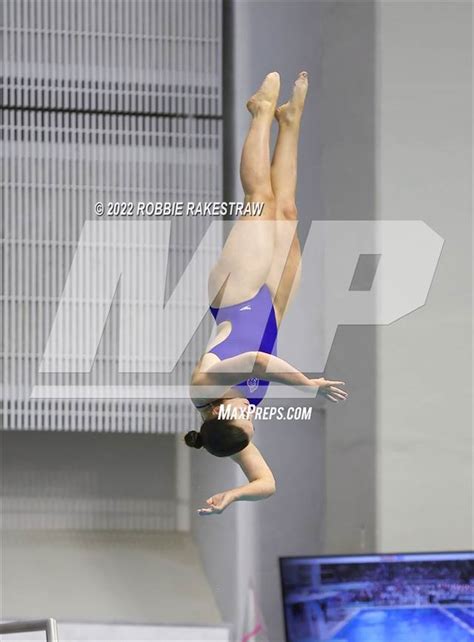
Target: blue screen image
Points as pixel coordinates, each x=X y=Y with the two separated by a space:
x=423 y=597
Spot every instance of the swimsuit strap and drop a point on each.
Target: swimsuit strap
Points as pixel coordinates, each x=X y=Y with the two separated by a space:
x=211 y=402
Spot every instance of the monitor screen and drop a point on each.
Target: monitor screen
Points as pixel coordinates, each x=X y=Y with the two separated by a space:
x=379 y=598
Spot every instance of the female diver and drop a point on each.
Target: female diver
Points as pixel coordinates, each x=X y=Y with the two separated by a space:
x=250 y=288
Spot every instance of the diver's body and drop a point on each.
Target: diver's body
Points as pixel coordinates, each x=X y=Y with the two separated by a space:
x=250 y=288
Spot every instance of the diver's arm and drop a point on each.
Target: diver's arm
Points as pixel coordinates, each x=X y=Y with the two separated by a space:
x=255 y=468
x=226 y=371
x=265 y=366
x=277 y=370
x=248 y=364
x=261 y=482
x=272 y=368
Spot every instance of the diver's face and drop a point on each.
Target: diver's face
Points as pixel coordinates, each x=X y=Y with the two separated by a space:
x=242 y=417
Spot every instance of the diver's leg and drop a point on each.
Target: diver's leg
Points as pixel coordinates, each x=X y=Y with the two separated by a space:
x=255 y=160
x=248 y=252
x=285 y=274
x=285 y=156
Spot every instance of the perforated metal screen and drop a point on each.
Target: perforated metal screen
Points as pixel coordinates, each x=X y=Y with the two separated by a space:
x=104 y=100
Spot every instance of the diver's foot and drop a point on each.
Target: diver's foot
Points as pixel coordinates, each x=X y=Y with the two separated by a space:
x=265 y=99
x=291 y=111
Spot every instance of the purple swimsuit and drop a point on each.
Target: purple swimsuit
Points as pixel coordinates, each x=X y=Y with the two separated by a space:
x=254 y=328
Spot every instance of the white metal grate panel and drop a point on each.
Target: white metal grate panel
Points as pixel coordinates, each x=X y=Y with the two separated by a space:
x=103 y=101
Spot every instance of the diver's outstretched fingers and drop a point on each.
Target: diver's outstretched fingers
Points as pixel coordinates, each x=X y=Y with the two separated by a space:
x=217 y=503
x=206 y=511
x=338 y=392
x=211 y=509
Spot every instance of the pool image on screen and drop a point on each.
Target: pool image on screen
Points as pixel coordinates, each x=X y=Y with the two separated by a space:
x=424 y=597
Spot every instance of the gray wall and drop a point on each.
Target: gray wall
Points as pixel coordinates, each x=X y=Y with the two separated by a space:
x=291 y=522
x=346 y=105
x=335 y=43
x=378 y=141
x=284 y=36
x=424 y=361
x=216 y=536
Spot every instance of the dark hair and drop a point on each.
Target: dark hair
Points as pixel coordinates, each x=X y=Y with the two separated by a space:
x=220 y=437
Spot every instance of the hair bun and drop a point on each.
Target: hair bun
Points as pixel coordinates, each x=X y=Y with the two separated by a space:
x=193 y=439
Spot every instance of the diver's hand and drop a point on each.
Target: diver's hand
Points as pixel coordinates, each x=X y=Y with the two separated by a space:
x=217 y=503
x=330 y=390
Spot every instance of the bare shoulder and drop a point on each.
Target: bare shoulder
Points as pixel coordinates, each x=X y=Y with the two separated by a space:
x=247 y=453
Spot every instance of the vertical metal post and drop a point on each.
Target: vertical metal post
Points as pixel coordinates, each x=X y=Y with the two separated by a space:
x=51 y=630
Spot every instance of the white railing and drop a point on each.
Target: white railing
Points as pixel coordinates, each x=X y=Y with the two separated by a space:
x=49 y=626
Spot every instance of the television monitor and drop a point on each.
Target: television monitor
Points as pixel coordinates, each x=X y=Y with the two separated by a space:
x=411 y=597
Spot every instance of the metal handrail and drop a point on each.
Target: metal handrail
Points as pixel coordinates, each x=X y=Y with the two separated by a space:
x=26 y=626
